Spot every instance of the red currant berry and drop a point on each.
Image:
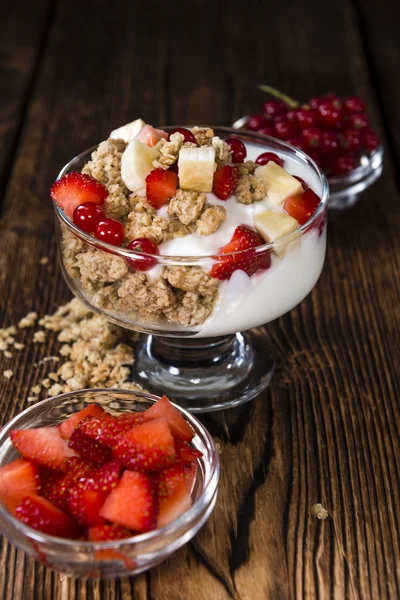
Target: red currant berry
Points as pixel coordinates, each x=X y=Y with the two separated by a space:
x=291 y=115
x=329 y=116
x=109 y=231
x=174 y=167
x=146 y=246
x=256 y=122
x=87 y=215
x=354 y=105
x=285 y=130
x=303 y=183
x=316 y=156
x=306 y=118
x=311 y=137
x=266 y=131
x=265 y=157
x=187 y=134
x=358 y=121
x=274 y=107
x=316 y=102
x=238 y=150
x=330 y=142
x=334 y=99
x=370 y=140
x=343 y=164
x=351 y=140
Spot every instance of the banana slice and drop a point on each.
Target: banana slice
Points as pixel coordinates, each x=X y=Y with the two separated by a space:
x=278 y=182
x=129 y=131
x=196 y=169
x=136 y=163
x=273 y=225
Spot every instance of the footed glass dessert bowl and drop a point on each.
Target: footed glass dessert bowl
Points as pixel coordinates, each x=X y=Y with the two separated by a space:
x=217 y=239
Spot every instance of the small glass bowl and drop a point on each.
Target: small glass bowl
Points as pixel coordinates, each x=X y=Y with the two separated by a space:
x=122 y=557
x=345 y=190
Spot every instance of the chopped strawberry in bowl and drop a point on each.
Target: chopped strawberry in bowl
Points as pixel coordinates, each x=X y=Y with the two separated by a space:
x=105 y=483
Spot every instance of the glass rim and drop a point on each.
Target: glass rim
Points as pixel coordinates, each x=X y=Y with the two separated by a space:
x=166 y=259
x=189 y=516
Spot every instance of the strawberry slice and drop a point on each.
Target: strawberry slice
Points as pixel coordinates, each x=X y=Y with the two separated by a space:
x=168 y=480
x=88 y=448
x=108 y=429
x=17 y=480
x=66 y=428
x=303 y=206
x=108 y=532
x=147 y=447
x=39 y=513
x=88 y=495
x=132 y=503
x=161 y=185
x=180 y=428
x=225 y=182
x=43 y=445
x=243 y=241
x=186 y=453
x=55 y=486
x=174 y=505
x=150 y=136
x=77 y=188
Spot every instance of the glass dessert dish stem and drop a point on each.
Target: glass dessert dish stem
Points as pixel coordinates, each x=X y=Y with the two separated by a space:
x=207 y=374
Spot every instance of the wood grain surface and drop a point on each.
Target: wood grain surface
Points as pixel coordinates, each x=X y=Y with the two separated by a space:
x=327 y=430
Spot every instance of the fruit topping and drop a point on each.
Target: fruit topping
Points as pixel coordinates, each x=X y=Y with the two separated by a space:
x=146 y=246
x=43 y=445
x=146 y=447
x=239 y=254
x=108 y=429
x=87 y=447
x=18 y=479
x=74 y=189
x=173 y=506
x=87 y=216
x=129 y=131
x=149 y=136
x=132 y=503
x=196 y=168
x=187 y=134
x=55 y=486
x=225 y=181
x=302 y=207
x=238 y=149
x=136 y=164
x=161 y=185
x=273 y=225
x=180 y=428
x=279 y=183
x=186 y=453
x=108 y=532
x=109 y=231
x=66 y=427
x=39 y=513
x=265 y=157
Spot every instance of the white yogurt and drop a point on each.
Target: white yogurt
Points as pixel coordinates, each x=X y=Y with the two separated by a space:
x=245 y=302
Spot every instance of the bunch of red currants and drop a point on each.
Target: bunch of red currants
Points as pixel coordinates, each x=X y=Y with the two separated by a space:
x=335 y=132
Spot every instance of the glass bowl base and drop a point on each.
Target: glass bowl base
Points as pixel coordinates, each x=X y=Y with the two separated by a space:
x=208 y=374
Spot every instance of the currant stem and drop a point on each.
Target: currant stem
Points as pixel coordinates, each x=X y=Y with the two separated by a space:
x=277 y=94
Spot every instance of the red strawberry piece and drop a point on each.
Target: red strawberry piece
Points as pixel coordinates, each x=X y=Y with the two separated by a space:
x=186 y=453
x=225 y=181
x=108 y=532
x=243 y=242
x=67 y=427
x=147 y=447
x=88 y=448
x=303 y=206
x=173 y=506
x=17 y=480
x=161 y=185
x=108 y=429
x=55 y=486
x=168 y=480
x=180 y=428
x=191 y=472
x=77 y=188
x=39 y=513
x=88 y=495
x=43 y=445
x=132 y=503
x=150 y=136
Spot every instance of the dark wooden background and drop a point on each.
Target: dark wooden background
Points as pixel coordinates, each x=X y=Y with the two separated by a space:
x=328 y=428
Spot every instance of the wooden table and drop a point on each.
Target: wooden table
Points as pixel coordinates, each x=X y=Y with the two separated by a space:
x=327 y=430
